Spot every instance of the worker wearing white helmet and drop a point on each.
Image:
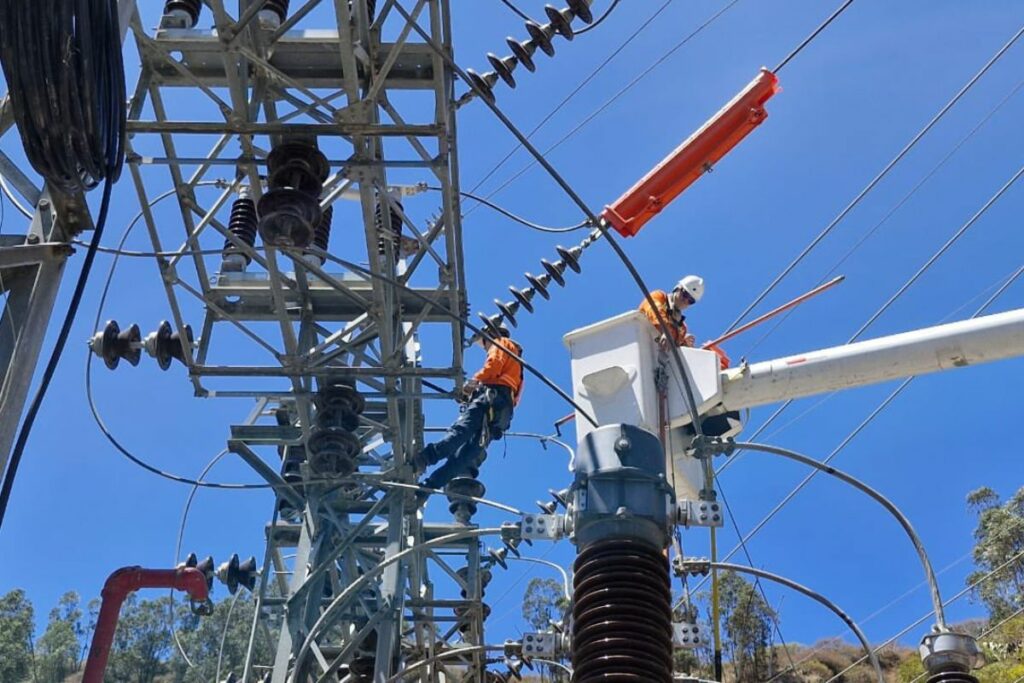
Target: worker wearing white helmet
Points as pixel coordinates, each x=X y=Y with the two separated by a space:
x=671 y=306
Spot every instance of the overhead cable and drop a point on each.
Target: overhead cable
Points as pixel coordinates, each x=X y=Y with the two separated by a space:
x=518 y=219
x=65 y=75
x=898 y=205
x=565 y=100
x=874 y=181
x=814 y=34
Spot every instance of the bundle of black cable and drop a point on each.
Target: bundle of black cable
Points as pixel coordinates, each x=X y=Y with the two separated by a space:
x=65 y=76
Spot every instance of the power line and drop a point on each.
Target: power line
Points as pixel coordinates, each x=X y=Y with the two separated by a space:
x=518 y=219
x=902 y=290
x=898 y=205
x=614 y=98
x=874 y=182
x=575 y=91
x=857 y=430
x=520 y=13
x=807 y=41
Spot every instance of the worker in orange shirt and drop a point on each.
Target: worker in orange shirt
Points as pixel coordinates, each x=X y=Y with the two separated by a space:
x=491 y=397
x=686 y=293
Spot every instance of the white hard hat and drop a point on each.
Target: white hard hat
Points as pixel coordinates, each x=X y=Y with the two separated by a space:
x=693 y=285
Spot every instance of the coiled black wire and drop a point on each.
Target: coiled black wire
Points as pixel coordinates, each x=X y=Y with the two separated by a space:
x=65 y=76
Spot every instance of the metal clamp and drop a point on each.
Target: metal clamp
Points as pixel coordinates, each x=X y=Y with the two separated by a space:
x=687 y=635
x=542 y=644
x=543 y=527
x=703 y=513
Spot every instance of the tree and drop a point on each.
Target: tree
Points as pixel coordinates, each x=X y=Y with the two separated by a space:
x=202 y=639
x=58 y=652
x=543 y=601
x=16 y=617
x=1000 y=539
x=142 y=642
x=747 y=621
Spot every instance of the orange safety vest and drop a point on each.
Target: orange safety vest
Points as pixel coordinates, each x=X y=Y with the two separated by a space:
x=676 y=321
x=502 y=369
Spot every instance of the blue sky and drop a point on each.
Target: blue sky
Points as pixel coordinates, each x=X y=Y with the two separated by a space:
x=850 y=101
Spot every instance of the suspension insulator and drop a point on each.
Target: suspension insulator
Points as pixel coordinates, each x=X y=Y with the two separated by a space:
x=243 y=225
x=555 y=270
x=504 y=67
x=290 y=210
x=278 y=7
x=235 y=573
x=541 y=36
x=165 y=344
x=184 y=8
x=523 y=51
x=561 y=20
x=396 y=225
x=508 y=311
x=205 y=566
x=483 y=82
x=341 y=396
x=524 y=297
x=333 y=447
x=485 y=579
x=492 y=324
x=462 y=614
x=571 y=257
x=581 y=8
x=539 y=284
x=112 y=344
x=622 y=613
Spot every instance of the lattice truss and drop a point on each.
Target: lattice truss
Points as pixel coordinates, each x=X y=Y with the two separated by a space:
x=335 y=350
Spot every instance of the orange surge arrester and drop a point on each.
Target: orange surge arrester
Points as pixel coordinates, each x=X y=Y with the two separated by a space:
x=693 y=158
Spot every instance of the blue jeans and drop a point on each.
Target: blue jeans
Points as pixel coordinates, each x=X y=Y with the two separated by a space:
x=463 y=445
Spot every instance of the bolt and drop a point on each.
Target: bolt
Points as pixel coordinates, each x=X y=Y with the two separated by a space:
x=32 y=237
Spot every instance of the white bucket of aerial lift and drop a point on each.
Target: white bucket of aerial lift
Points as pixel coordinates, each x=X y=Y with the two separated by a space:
x=614 y=369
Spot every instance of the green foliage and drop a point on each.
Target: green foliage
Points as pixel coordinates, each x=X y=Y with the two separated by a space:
x=747 y=621
x=543 y=600
x=142 y=642
x=201 y=639
x=59 y=650
x=1000 y=537
x=16 y=615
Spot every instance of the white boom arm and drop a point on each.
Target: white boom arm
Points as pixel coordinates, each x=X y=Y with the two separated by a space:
x=615 y=364
x=920 y=352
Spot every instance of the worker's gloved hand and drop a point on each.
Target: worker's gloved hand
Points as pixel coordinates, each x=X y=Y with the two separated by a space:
x=689 y=340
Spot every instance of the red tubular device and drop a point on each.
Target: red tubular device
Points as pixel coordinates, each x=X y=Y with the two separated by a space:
x=693 y=158
x=119 y=584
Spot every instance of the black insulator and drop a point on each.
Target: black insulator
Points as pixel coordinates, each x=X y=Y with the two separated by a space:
x=278 y=7
x=498 y=556
x=555 y=270
x=235 y=573
x=523 y=51
x=581 y=8
x=483 y=83
x=561 y=19
x=462 y=612
x=290 y=210
x=571 y=257
x=524 y=297
x=322 y=234
x=333 y=451
x=485 y=579
x=396 y=225
x=459 y=504
x=243 y=225
x=541 y=36
x=548 y=508
x=339 y=395
x=190 y=7
x=491 y=323
x=113 y=344
x=539 y=284
x=622 y=613
x=508 y=310
x=205 y=566
x=167 y=344
x=504 y=66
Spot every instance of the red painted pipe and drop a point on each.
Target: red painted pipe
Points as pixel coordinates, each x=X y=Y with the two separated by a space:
x=693 y=158
x=119 y=584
